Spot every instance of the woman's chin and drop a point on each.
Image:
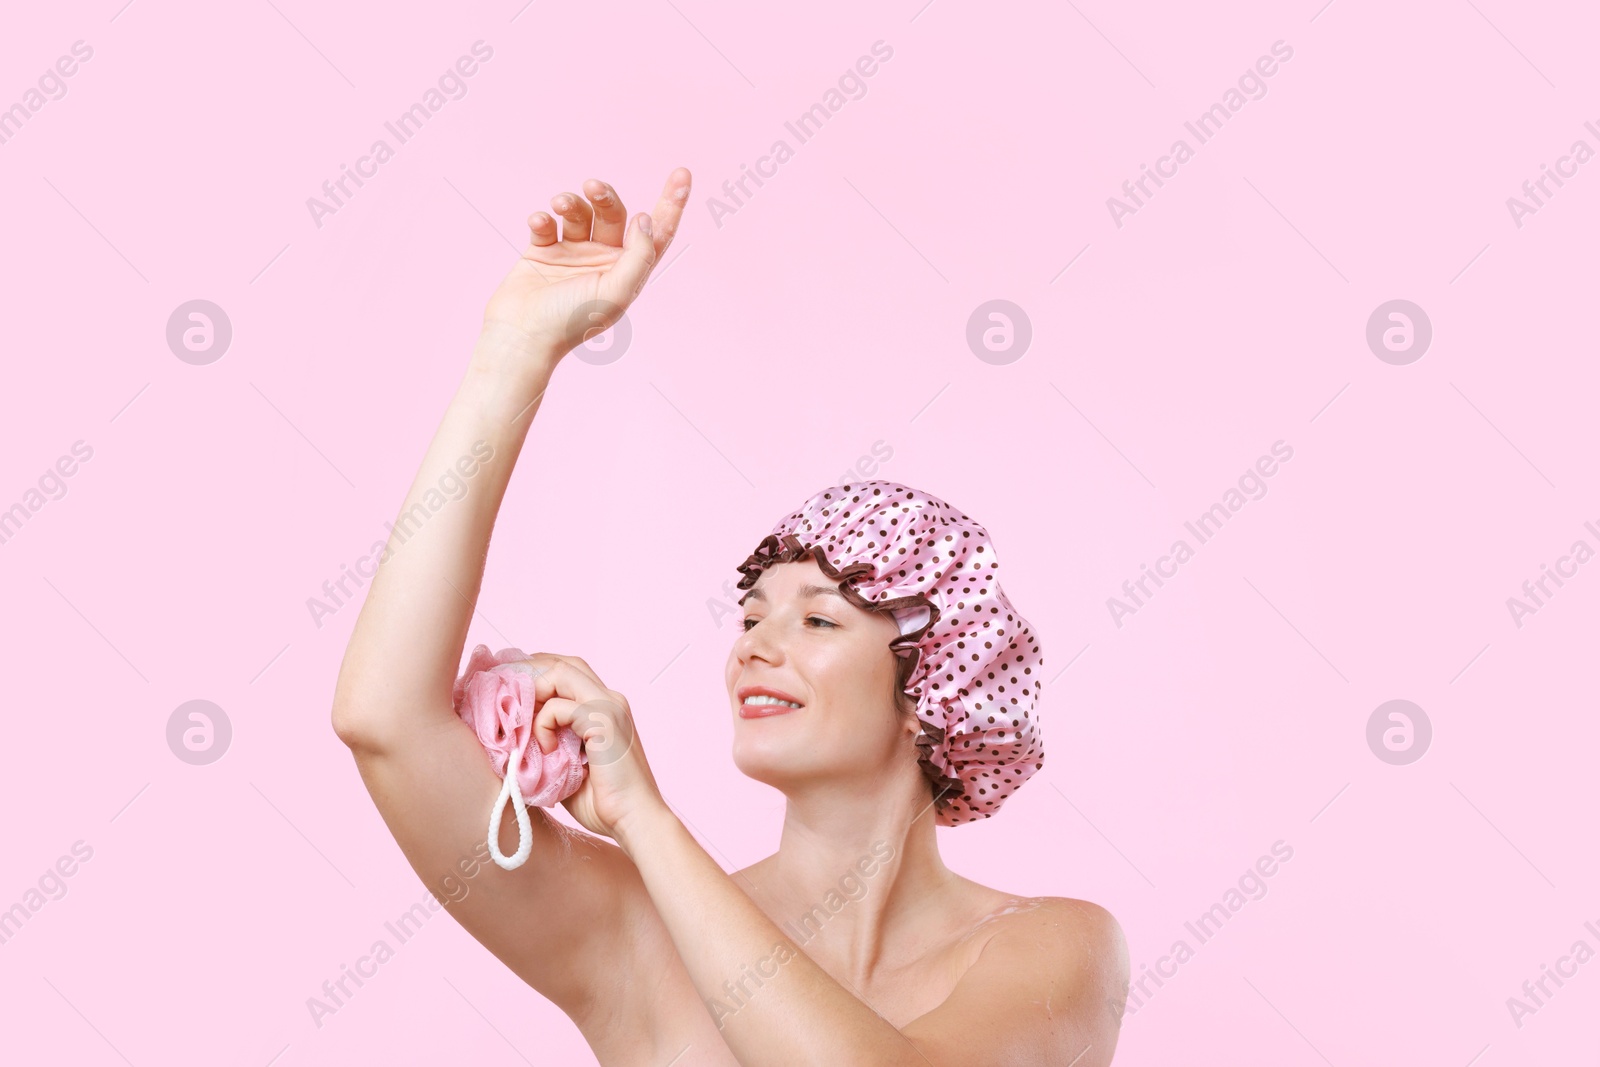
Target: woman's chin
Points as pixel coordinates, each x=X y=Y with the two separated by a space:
x=766 y=759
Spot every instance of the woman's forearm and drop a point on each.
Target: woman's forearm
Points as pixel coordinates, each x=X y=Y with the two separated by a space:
x=406 y=646
x=771 y=1002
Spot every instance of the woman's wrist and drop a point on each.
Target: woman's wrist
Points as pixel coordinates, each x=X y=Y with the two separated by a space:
x=638 y=828
x=509 y=355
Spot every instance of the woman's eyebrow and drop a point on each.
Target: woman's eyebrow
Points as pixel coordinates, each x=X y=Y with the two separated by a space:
x=804 y=591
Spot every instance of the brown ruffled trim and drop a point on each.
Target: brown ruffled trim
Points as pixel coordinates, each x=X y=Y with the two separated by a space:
x=788 y=549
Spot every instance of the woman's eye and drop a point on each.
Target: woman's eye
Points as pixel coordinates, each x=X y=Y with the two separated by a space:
x=809 y=618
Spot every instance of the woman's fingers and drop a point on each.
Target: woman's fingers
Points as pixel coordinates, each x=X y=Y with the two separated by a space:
x=646 y=241
x=554 y=713
x=669 y=209
x=602 y=723
x=542 y=230
x=575 y=214
x=610 y=217
x=560 y=688
x=632 y=269
x=570 y=694
x=548 y=659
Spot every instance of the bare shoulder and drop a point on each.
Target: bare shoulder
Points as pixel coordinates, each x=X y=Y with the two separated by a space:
x=1082 y=939
x=1083 y=920
x=1051 y=979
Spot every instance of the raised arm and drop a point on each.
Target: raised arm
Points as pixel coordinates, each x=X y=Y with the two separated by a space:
x=424 y=768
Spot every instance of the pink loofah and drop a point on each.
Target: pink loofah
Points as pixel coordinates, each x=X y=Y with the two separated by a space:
x=495 y=698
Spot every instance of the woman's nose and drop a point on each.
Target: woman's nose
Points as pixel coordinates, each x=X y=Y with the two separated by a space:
x=758 y=642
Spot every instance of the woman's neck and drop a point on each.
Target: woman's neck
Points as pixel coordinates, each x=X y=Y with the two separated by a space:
x=853 y=881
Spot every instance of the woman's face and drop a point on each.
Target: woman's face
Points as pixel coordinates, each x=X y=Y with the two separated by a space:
x=804 y=642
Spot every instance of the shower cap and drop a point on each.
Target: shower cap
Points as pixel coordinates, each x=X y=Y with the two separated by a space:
x=966 y=655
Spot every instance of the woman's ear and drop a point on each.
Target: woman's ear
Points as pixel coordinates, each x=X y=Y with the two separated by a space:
x=908 y=712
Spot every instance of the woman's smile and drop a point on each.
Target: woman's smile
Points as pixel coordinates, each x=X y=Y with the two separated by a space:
x=760 y=702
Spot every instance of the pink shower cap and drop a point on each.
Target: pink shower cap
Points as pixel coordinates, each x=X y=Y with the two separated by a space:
x=968 y=658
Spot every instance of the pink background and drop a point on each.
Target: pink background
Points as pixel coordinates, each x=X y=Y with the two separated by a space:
x=828 y=313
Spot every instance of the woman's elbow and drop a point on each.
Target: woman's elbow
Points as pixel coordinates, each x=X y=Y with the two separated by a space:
x=357 y=728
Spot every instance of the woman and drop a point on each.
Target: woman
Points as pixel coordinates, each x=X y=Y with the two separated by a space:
x=853 y=943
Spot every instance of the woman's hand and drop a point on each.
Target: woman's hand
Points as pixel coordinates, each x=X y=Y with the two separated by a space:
x=564 y=291
x=618 y=786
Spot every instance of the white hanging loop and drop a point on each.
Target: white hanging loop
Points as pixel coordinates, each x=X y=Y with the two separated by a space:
x=510 y=790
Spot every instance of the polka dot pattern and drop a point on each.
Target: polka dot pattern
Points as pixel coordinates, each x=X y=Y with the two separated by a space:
x=973 y=668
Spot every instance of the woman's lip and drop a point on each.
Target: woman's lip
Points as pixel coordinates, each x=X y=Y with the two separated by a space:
x=763 y=711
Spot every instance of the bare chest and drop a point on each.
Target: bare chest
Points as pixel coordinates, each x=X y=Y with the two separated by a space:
x=666 y=1022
